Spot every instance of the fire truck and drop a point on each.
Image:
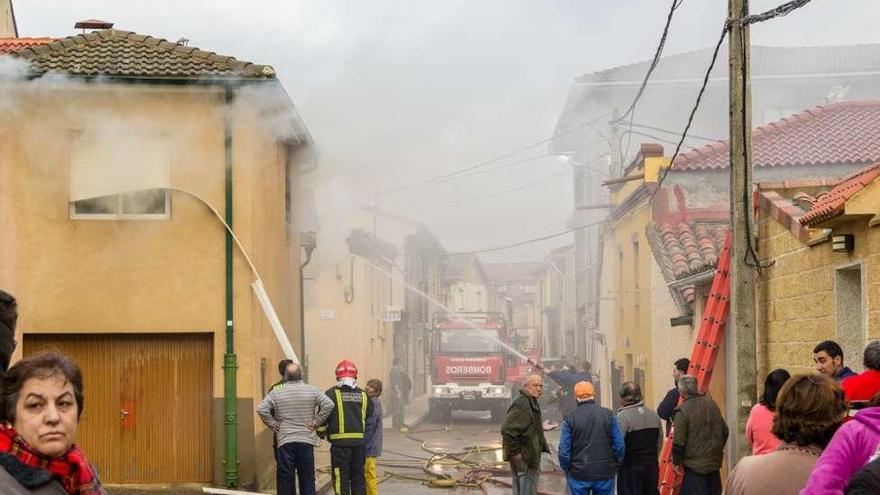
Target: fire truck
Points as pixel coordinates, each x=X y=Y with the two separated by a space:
x=472 y=365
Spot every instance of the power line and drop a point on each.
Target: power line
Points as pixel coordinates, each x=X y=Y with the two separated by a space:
x=502 y=193
x=677 y=133
x=528 y=241
x=693 y=110
x=444 y=177
x=657 y=53
x=782 y=10
x=505 y=165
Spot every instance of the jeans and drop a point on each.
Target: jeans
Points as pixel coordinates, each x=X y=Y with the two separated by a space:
x=525 y=483
x=298 y=457
x=592 y=487
x=701 y=484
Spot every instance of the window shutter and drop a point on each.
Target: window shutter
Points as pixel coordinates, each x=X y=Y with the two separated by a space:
x=104 y=165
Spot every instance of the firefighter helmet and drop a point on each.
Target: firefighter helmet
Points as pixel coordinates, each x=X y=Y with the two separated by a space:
x=346 y=369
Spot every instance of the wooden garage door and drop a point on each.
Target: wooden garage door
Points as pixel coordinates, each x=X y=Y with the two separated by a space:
x=147 y=409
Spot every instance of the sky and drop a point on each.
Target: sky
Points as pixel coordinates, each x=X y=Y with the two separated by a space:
x=396 y=92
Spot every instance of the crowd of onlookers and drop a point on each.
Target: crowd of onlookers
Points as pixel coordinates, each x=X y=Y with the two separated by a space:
x=810 y=434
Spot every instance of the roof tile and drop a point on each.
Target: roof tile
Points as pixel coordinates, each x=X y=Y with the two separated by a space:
x=11 y=45
x=111 y=52
x=846 y=132
x=688 y=248
x=833 y=203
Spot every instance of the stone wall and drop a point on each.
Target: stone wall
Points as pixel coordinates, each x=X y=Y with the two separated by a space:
x=798 y=295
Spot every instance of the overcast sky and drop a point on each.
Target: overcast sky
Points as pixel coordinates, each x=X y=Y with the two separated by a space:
x=397 y=91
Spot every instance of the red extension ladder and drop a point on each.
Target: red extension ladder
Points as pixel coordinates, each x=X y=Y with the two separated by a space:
x=703 y=358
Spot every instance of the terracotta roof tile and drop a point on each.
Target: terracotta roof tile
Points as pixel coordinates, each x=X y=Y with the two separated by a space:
x=111 y=52
x=832 y=203
x=12 y=45
x=846 y=132
x=687 y=248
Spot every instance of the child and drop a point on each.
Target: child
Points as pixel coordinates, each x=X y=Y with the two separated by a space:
x=373 y=436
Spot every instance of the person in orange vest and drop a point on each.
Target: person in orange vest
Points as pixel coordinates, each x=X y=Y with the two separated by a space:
x=345 y=428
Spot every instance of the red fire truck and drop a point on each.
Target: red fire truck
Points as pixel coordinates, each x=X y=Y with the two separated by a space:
x=472 y=368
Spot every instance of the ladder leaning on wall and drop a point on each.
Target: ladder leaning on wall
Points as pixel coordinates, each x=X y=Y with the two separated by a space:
x=703 y=358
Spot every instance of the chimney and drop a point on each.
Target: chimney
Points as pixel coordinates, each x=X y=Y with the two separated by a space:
x=93 y=24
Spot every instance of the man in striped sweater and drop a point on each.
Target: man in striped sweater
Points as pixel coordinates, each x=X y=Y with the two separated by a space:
x=293 y=412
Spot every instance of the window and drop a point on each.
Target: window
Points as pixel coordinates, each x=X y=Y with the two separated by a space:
x=119 y=177
x=849 y=313
x=469 y=340
x=636 y=292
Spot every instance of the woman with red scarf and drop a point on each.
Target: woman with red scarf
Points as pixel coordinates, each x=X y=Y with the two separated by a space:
x=41 y=399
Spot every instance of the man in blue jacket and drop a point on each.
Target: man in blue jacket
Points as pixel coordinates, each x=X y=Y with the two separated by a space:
x=591 y=446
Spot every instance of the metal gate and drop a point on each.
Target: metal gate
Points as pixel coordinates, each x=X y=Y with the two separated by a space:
x=148 y=398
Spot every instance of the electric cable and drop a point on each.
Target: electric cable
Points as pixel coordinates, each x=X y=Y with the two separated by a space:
x=677 y=133
x=750 y=251
x=496 y=159
x=684 y=134
x=528 y=241
x=781 y=10
x=654 y=62
x=500 y=193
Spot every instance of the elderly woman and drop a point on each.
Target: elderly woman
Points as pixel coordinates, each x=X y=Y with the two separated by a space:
x=809 y=409
x=41 y=400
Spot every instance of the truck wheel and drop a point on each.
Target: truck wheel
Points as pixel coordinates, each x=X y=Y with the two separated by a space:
x=498 y=412
x=439 y=412
x=446 y=413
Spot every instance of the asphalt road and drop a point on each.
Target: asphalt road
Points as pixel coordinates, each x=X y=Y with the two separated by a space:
x=471 y=436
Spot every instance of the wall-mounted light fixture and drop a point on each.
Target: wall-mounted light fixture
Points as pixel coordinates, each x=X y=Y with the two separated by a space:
x=843 y=243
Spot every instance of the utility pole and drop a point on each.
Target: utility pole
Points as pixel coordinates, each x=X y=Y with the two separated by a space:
x=741 y=387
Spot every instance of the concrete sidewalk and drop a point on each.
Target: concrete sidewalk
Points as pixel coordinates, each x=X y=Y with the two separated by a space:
x=413 y=414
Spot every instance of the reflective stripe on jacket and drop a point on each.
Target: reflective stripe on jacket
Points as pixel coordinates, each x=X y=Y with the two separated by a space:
x=347 y=424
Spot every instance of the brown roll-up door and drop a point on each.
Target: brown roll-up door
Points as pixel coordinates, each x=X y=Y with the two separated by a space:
x=148 y=398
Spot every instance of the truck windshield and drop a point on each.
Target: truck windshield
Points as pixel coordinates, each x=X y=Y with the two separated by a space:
x=469 y=340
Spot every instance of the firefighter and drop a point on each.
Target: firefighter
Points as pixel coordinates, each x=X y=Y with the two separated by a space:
x=345 y=430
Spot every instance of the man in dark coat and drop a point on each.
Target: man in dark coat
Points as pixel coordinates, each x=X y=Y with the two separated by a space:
x=522 y=437
x=400 y=385
x=8 y=318
x=667 y=406
x=643 y=439
x=698 y=440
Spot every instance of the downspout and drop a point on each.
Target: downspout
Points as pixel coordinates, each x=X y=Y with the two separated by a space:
x=230 y=366
x=302 y=311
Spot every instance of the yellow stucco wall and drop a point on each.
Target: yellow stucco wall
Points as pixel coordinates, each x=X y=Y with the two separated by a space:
x=797 y=298
x=350 y=330
x=628 y=285
x=150 y=276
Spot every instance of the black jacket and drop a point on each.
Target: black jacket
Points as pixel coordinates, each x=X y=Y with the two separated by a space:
x=8 y=317
x=667 y=406
x=353 y=407
x=866 y=481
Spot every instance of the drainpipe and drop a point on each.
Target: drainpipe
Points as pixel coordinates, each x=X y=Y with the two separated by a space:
x=309 y=245
x=230 y=366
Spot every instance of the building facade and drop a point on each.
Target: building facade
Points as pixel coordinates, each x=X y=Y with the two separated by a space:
x=114 y=144
x=592 y=138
